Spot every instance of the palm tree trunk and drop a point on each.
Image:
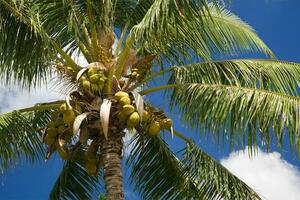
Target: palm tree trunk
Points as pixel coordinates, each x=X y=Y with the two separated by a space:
x=111 y=150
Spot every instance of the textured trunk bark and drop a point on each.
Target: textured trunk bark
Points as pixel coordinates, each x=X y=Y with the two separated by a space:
x=112 y=160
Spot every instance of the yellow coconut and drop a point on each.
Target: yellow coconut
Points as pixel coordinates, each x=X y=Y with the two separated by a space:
x=64 y=154
x=166 y=123
x=125 y=101
x=133 y=120
x=120 y=95
x=95 y=78
x=91 y=168
x=49 y=139
x=146 y=116
x=154 y=128
x=128 y=109
x=52 y=132
x=69 y=117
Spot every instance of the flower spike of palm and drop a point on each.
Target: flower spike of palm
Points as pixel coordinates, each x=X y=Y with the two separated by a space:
x=127 y=45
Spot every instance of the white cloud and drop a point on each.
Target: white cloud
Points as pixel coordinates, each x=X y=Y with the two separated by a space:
x=15 y=97
x=267 y=173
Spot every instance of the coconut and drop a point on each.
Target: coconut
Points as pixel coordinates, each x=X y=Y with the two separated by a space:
x=86 y=85
x=52 y=132
x=69 y=117
x=146 y=116
x=95 y=78
x=166 y=123
x=133 y=120
x=82 y=78
x=122 y=116
x=91 y=168
x=125 y=101
x=120 y=95
x=48 y=139
x=154 y=128
x=128 y=109
x=64 y=154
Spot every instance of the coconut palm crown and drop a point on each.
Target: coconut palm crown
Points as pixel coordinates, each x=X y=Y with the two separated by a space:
x=128 y=44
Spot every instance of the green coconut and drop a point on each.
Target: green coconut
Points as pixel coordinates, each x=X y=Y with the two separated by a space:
x=133 y=120
x=128 y=109
x=166 y=123
x=154 y=128
x=120 y=95
x=146 y=116
x=122 y=116
x=125 y=101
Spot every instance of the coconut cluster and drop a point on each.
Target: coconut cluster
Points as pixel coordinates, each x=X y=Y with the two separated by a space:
x=139 y=73
x=60 y=129
x=127 y=113
x=92 y=80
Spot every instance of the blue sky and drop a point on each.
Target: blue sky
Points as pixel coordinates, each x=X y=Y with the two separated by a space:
x=277 y=23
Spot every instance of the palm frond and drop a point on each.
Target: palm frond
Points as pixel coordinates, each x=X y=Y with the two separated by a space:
x=204 y=30
x=74 y=182
x=272 y=75
x=240 y=113
x=157 y=173
x=20 y=137
x=23 y=58
x=214 y=179
x=228 y=33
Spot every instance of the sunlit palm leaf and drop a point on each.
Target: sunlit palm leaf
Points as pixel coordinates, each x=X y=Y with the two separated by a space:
x=240 y=112
x=205 y=31
x=273 y=75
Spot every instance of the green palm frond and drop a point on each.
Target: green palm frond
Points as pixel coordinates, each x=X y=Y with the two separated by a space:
x=21 y=51
x=228 y=33
x=157 y=173
x=20 y=136
x=273 y=75
x=74 y=182
x=166 y=32
x=239 y=112
x=28 y=31
x=213 y=178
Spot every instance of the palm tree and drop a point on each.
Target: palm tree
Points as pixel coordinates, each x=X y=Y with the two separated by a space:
x=128 y=44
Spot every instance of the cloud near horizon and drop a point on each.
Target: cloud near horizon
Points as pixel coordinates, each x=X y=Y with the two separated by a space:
x=267 y=173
